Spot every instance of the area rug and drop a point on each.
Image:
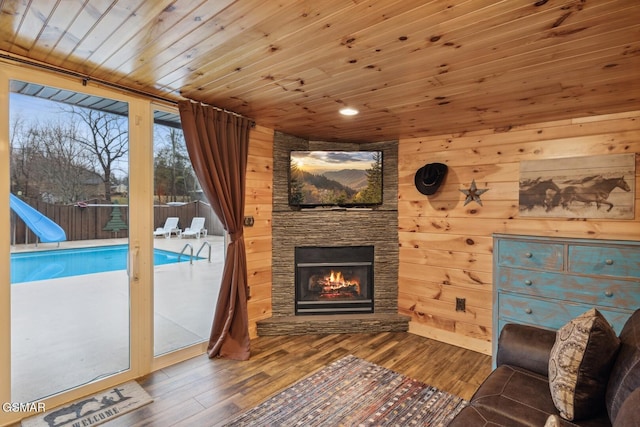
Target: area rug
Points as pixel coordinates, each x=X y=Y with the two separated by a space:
x=93 y=410
x=354 y=392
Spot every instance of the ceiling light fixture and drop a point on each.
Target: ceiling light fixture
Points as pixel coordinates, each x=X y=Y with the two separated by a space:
x=348 y=111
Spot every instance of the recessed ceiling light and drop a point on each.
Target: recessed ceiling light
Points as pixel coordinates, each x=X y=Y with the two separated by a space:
x=347 y=111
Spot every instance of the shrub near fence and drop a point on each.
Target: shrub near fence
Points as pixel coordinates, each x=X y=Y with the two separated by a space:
x=87 y=223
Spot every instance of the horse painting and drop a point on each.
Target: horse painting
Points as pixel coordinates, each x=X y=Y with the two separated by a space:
x=596 y=190
x=578 y=187
x=543 y=193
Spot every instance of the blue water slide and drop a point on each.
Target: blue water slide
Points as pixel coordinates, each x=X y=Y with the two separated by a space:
x=46 y=230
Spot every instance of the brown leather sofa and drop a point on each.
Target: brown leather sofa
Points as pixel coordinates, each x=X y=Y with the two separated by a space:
x=517 y=392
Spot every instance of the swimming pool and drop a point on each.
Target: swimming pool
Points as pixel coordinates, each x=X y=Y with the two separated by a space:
x=43 y=265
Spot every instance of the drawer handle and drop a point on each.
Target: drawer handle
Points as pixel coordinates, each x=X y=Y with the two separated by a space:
x=528 y=254
x=528 y=282
x=528 y=311
x=609 y=262
x=608 y=294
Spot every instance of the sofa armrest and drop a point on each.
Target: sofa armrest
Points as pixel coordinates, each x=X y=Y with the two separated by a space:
x=525 y=346
x=628 y=415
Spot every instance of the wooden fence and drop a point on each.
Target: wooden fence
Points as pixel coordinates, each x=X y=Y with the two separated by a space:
x=103 y=220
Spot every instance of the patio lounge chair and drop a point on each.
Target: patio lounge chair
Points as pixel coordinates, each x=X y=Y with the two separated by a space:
x=170 y=226
x=196 y=229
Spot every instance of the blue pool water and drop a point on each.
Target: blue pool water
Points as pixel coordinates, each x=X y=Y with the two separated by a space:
x=42 y=265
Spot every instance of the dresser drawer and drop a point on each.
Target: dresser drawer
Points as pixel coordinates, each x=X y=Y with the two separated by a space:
x=604 y=261
x=551 y=314
x=542 y=256
x=586 y=290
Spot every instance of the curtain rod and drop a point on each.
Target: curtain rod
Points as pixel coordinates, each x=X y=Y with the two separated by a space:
x=85 y=79
x=252 y=122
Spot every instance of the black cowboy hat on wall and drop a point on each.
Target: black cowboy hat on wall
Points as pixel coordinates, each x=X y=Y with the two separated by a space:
x=429 y=177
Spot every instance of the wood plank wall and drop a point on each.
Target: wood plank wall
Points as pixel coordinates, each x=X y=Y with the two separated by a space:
x=446 y=247
x=258 y=204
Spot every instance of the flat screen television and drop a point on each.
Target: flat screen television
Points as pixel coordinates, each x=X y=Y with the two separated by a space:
x=335 y=178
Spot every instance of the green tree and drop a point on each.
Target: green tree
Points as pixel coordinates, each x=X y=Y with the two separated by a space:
x=373 y=191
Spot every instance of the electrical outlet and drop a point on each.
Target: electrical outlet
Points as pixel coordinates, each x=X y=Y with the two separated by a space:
x=248 y=221
x=461 y=304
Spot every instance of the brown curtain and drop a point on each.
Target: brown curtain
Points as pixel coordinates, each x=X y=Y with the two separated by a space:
x=218 y=143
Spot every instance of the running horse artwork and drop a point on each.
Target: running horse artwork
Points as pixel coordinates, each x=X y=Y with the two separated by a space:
x=543 y=193
x=595 y=190
x=579 y=187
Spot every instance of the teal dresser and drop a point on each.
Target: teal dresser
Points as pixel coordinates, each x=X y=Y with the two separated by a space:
x=547 y=281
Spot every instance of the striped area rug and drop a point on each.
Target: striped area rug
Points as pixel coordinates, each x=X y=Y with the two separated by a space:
x=354 y=392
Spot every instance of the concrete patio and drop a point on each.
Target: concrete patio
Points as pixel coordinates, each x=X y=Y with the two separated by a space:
x=73 y=330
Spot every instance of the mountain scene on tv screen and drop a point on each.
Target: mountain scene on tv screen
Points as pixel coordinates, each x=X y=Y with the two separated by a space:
x=344 y=178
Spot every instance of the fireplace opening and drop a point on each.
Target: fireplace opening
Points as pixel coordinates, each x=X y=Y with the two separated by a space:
x=332 y=280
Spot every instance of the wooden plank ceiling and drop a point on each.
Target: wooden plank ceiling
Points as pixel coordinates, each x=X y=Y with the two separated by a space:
x=412 y=67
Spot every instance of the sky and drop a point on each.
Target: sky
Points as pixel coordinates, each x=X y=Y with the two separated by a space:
x=318 y=162
x=32 y=107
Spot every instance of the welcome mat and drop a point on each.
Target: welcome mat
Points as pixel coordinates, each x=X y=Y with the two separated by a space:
x=93 y=410
x=354 y=392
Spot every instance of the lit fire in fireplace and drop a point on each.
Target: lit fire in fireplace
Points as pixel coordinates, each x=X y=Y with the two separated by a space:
x=334 y=285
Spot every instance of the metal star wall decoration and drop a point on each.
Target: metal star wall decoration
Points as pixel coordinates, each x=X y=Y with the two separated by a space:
x=473 y=194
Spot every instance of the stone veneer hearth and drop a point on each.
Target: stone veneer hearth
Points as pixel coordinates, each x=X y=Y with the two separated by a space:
x=322 y=227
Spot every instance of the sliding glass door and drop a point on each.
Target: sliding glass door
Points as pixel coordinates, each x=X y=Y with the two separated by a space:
x=70 y=298
x=93 y=291
x=187 y=230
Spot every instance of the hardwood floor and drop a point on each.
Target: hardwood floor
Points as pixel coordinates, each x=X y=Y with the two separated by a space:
x=207 y=392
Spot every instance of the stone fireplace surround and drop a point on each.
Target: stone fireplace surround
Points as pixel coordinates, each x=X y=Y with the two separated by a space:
x=324 y=227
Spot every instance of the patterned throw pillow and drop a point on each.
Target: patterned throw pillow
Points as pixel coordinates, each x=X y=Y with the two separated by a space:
x=580 y=363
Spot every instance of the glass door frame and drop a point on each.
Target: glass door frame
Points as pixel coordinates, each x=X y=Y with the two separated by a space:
x=179 y=355
x=140 y=236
